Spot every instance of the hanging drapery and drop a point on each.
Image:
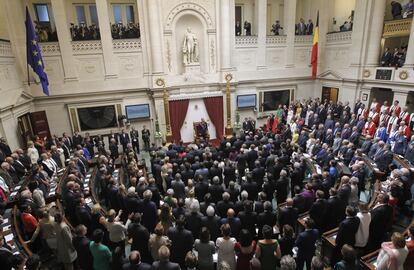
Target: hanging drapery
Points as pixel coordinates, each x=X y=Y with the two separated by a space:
x=178 y=112
x=214 y=107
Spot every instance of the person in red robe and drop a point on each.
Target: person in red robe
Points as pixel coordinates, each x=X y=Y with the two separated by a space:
x=369 y=128
x=395 y=108
x=274 y=126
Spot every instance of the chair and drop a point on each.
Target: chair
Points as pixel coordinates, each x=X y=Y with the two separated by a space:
x=198 y=132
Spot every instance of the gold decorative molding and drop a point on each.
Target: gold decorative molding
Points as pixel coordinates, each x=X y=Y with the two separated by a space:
x=367 y=73
x=168 y=135
x=74 y=119
x=397 y=28
x=229 y=129
x=403 y=74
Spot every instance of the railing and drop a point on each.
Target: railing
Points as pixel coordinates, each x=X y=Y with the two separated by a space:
x=246 y=41
x=397 y=28
x=5 y=48
x=339 y=37
x=275 y=40
x=303 y=39
x=126 y=45
x=87 y=46
x=49 y=48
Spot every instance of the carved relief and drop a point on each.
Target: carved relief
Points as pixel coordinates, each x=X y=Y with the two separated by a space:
x=212 y=55
x=189 y=6
x=168 y=55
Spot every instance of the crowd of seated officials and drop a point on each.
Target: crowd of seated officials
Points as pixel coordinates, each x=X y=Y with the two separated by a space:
x=235 y=205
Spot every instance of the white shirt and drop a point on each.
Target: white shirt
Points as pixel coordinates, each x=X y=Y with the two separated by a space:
x=361 y=237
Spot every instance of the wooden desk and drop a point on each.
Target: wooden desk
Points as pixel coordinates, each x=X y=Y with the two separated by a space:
x=368 y=262
x=11 y=237
x=328 y=245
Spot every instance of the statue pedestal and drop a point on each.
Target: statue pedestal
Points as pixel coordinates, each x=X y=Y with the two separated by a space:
x=193 y=68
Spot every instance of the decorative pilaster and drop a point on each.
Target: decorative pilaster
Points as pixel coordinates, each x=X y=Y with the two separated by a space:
x=225 y=34
x=361 y=15
x=168 y=135
x=155 y=33
x=290 y=16
x=261 y=15
x=409 y=59
x=374 y=30
x=229 y=128
x=106 y=39
x=65 y=40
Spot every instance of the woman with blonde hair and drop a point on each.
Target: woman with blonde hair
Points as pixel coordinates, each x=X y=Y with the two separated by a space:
x=392 y=254
x=157 y=240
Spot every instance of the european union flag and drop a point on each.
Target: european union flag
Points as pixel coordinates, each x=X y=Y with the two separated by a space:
x=34 y=57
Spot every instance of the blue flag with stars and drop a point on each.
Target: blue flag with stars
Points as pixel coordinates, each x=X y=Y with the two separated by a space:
x=34 y=57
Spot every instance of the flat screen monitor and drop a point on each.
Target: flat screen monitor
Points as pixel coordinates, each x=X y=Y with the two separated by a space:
x=246 y=101
x=272 y=99
x=97 y=117
x=140 y=111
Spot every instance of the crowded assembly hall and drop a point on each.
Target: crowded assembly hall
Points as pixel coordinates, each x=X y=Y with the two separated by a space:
x=206 y=135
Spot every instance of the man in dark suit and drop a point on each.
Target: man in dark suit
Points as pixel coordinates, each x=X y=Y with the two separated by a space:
x=224 y=205
x=317 y=211
x=181 y=242
x=81 y=245
x=83 y=213
x=288 y=214
x=335 y=210
x=164 y=262
x=212 y=222
x=140 y=237
x=77 y=139
x=146 y=137
x=251 y=187
x=258 y=173
x=306 y=245
x=347 y=228
x=135 y=139
x=134 y=262
x=67 y=140
x=268 y=217
x=193 y=220
x=248 y=218
x=381 y=221
x=386 y=57
x=114 y=136
x=252 y=156
x=383 y=158
x=124 y=139
x=234 y=223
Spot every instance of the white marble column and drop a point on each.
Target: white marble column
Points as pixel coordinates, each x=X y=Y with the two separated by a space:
x=225 y=34
x=261 y=18
x=409 y=59
x=142 y=18
x=106 y=39
x=362 y=12
x=155 y=31
x=289 y=27
x=401 y=96
x=373 y=47
x=65 y=40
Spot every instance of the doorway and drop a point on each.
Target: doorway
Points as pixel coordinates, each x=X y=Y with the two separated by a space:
x=410 y=101
x=330 y=94
x=238 y=17
x=381 y=95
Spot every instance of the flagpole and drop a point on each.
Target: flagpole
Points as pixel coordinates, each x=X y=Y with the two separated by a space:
x=28 y=74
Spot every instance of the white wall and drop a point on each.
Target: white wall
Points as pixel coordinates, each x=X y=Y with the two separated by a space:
x=341 y=12
x=196 y=111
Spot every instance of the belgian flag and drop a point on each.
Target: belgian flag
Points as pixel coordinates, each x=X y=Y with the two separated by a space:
x=314 y=59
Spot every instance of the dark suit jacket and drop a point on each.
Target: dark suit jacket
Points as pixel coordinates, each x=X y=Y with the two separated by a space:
x=288 y=215
x=158 y=265
x=318 y=213
x=181 y=242
x=223 y=206
x=140 y=238
x=141 y=266
x=193 y=223
x=347 y=230
x=85 y=259
x=213 y=224
x=124 y=138
x=113 y=136
x=306 y=243
x=381 y=220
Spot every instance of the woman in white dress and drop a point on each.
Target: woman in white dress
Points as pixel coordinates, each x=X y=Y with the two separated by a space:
x=225 y=247
x=393 y=254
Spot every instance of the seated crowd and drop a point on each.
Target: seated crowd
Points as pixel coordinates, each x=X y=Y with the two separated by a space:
x=230 y=206
x=394 y=59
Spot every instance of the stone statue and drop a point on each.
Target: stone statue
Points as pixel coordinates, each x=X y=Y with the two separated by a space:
x=190 y=48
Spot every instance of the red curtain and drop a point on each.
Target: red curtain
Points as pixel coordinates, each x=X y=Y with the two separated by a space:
x=214 y=106
x=178 y=111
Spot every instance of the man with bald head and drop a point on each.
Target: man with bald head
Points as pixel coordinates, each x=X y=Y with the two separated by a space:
x=134 y=262
x=233 y=221
x=288 y=214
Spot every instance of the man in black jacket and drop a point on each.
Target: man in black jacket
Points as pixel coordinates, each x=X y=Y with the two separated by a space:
x=381 y=221
x=348 y=228
x=181 y=242
x=224 y=205
x=335 y=210
x=288 y=214
x=134 y=262
x=164 y=262
x=140 y=237
x=81 y=244
x=317 y=211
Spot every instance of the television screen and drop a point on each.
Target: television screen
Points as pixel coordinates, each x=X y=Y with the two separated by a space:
x=137 y=111
x=272 y=99
x=246 y=101
x=97 y=117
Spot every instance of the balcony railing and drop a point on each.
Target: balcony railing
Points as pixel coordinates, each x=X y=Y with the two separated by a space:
x=339 y=37
x=397 y=28
x=49 y=48
x=127 y=45
x=5 y=49
x=246 y=41
x=303 y=39
x=274 y=41
x=87 y=46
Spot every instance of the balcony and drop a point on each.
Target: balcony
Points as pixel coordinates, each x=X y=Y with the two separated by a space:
x=5 y=49
x=246 y=41
x=397 y=28
x=275 y=41
x=339 y=37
